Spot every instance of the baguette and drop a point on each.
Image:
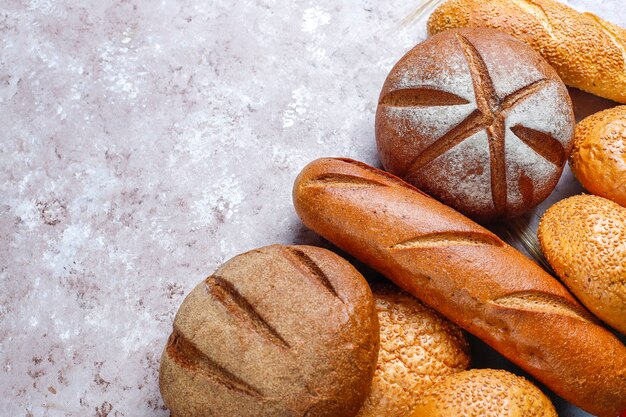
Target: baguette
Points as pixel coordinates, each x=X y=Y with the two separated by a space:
x=587 y=52
x=467 y=273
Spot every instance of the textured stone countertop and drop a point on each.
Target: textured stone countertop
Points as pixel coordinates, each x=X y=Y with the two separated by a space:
x=143 y=143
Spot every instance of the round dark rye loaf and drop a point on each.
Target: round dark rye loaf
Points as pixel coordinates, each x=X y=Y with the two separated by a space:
x=478 y=120
x=287 y=331
x=468 y=274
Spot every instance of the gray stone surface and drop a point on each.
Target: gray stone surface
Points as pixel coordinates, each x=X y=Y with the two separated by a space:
x=143 y=143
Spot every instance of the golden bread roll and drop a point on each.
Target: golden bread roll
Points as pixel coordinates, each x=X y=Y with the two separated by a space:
x=587 y=52
x=467 y=274
x=484 y=393
x=598 y=158
x=277 y=331
x=584 y=239
x=418 y=348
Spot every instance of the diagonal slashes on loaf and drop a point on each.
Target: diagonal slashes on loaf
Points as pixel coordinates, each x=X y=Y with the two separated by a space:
x=351 y=181
x=423 y=96
x=543 y=144
x=381 y=173
x=522 y=94
x=184 y=353
x=340 y=180
x=311 y=269
x=537 y=11
x=236 y=304
x=542 y=303
x=467 y=128
x=619 y=44
x=449 y=239
x=490 y=116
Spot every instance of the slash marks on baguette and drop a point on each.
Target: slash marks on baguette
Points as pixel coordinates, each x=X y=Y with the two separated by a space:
x=341 y=180
x=542 y=303
x=537 y=11
x=449 y=239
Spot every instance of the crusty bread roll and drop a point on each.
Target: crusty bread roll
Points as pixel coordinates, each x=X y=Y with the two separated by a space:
x=584 y=240
x=418 y=348
x=278 y=331
x=484 y=393
x=469 y=275
x=478 y=120
x=588 y=52
x=598 y=158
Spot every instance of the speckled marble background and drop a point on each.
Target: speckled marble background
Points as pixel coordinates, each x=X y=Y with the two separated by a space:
x=142 y=144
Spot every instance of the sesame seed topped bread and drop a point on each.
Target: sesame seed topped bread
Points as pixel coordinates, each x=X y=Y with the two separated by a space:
x=478 y=120
x=277 y=331
x=484 y=393
x=598 y=158
x=584 y=239
x=467 y=274
x=587 y=52
x=418 y=348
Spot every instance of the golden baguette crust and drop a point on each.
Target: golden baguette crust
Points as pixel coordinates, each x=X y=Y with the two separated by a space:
x=587 y=52
x=467 y=273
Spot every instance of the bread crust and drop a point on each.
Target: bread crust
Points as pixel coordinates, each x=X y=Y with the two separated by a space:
x=588 y=52
x=598 y=158
x=418 y=348
x=478 y=120
x=277 y=331
x=485 y=393
x=469 y=275
x=583 y=239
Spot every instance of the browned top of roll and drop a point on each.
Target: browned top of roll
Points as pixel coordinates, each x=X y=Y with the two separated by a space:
x=598 y=158
x=281 y=330
x=418 y=348
x=584 y=239
x=468 y=274
x=485 y=393
x=588 y=52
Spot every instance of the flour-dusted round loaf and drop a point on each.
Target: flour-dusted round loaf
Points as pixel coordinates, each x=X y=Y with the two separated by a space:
x=287 y=331
x=484 y=393
x=418 y=348
x=478 y=120
x=598 y=158
x=584 y=239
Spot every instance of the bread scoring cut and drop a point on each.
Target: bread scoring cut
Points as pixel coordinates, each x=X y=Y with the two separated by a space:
x=478 y=120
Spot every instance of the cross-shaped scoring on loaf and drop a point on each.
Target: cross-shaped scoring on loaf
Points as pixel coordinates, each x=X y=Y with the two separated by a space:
x=490 y=116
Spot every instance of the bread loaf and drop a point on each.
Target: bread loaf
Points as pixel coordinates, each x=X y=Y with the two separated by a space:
x=587 y=52
x=418 y=348
x=584 y=239
x=484 y=393
x=598 y=158
x=468 y=274
x=278 y=331
x=478 y=120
